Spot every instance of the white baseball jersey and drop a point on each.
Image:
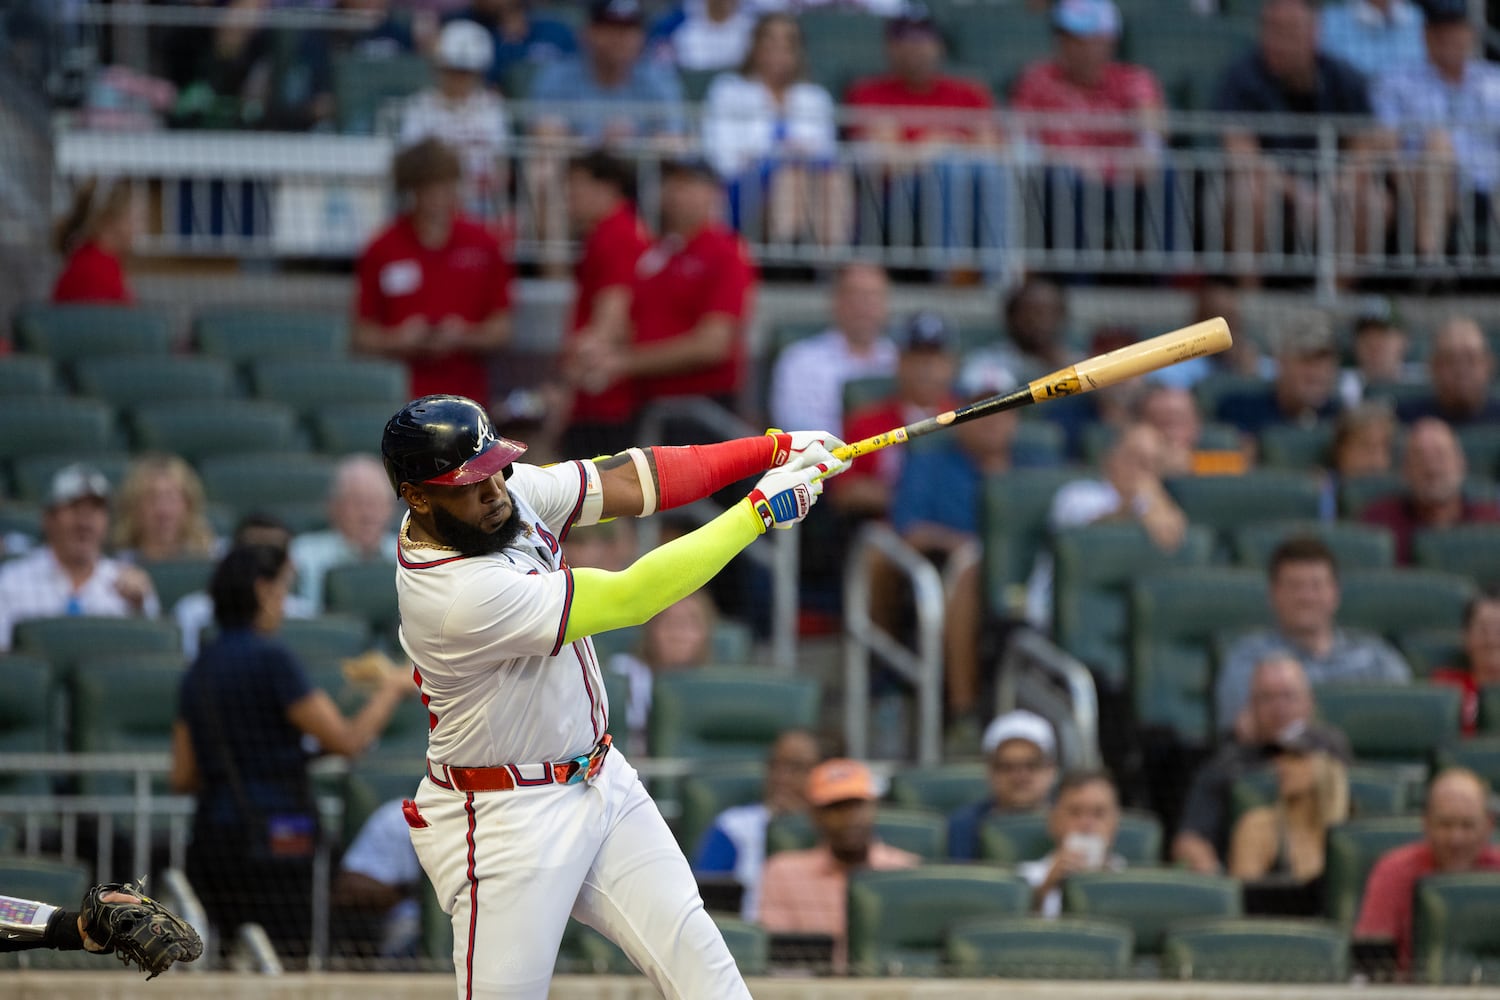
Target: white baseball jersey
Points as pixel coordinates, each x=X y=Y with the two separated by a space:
x=485 y=634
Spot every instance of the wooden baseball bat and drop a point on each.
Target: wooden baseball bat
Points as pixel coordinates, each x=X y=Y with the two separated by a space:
x=1208 y=337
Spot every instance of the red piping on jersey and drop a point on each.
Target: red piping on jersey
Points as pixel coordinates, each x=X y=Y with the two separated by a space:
x=593 y=655
x=416 y=675
x=593 y=703
x=524 y=782
x=562 y=626
x=583 y=489
x=401 y=557
x=473 y=903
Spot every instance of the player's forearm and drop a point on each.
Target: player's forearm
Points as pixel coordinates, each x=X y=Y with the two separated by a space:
x=642 y=481
x=603 y=601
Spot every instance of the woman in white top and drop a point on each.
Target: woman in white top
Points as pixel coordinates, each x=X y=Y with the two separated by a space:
x=772 y=136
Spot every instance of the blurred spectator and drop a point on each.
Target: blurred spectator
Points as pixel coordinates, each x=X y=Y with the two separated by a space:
x=1281 y=710
x=94 y=238
x=704 y=34
x=609 y=93
x=1380 y=346
x=1306 y=386
x=1376 y=37
x=1364 y=441
x=434 y=286
x=924 y=119
x=1481 y=659
x=1287 y=75
x=772 y=136
x=1461 y=368
x=360 y=513
x=255 y=825
x=1034 y=317
x=221 y=68
x=464 y=115
x=692 y=297
x=1304 y=597
x=601 y=204
x=521 y=38
x=1173 y=412
x=195 y=612
x=1456 y=827
x=161 y=512
x=304 y=97
x=679 y=638
x=806 y=892
x=607 y=545
x=1441 y=109
x=736 y=842
x=375 y=892
x=1130 y=489
x=1020 y=752
x=1082 y=824
x=1286 y=840
x=807 y=382
x=69 y=574
x=1433 y=468
x=925 y=370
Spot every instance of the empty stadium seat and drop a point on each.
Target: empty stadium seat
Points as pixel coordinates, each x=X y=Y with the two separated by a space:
x=1394 y=601
x=750 y=945
x=1355 y=546
x=327 y=636
x=174 y=579
x=1226 y=503
x=1002 y=39
x=20 y=519
x=350 y=428
x=1187 y=58
x=66 y=640
x=366 y=590
x=723 y=713
x=1291 y=446
x=50 y=425
x=1013 y=522
x=26 y=692
x=129 y=382
x=1039 y=948
x=1394 y=723
x=124 y=705
x=706 y=793
x=921 y=831
x=1358 y=493
x=1455 y=936
x=1469 y=549
x=899 y=920
x=198 y=430
x=1481 y=445
x=1010 y=838
x=308 y=384
x=33 y=474
x=1218 y=386
x=1489 y=709
x=292 y=486
x=1257 y=950
x=1353 y=849
x=1432 y=649
x=372 y=782
x=242 y=335
x=24 y=375
x=44 y=878
x=944 y=787
x=1175 y=615
x=1151 y=900
x=841 y=47
x=1094 y=567
x=68 y=333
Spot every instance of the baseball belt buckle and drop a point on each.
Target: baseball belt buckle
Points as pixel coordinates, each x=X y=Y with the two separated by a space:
x=596 y=758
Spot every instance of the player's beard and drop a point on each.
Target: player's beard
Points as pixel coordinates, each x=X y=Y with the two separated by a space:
x=472 y=540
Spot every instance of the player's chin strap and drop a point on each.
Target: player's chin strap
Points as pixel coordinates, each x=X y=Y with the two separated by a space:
x=23 y=919
x=676 y=477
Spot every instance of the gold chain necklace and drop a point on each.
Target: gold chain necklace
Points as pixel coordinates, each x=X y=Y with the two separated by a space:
x=410 y=542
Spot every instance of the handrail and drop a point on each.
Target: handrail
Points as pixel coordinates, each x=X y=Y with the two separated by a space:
x=921 y=667
x=254 y=945
x=1029 y=660
x=184 y=901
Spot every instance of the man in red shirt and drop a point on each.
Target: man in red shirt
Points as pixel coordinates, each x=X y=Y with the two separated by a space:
x=1433 y=470
x=958 y=197
x=614 y=238
x=693 y=293
x=1456 y=827
x=434 y=287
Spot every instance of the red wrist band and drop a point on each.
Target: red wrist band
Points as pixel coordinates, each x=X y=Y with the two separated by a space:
x=685 y=475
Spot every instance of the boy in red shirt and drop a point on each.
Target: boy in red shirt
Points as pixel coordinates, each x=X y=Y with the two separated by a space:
x=434 y=287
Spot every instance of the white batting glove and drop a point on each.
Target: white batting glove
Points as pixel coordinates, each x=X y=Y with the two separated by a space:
x=785 y=495
x=791 y=445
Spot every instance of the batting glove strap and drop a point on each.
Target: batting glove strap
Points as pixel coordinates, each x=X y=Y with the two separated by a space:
x=783 y=509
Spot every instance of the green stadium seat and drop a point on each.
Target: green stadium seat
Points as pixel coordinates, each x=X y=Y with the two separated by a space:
x=921 y=831
x=1010 y=839
x=1432 y=649
x=732 y=642
x=44 y=879
x=1175 y=615
x=1480 y=754
x=724 y=713
x=1455 y=937
x=945 y=787
x=366 y=590
x=1489 y=709
x=1288 y=446
x=124 y=705
x=1469 y=549
x=1257 y=950
x=292 y=486
x=69 y=333
x=840 y=47
x=308 y=384
x=695 y=83
x=245 y=335
x=1014 y=525
x=174 y=579
x=362 y=84
x=1151 y=900
x=437 y=929
x=20 y=519
x=125 y=383
x=350 y=428
x=1355 y=546
x=1392 y=602
x=26 y=692
x=1038 y=443
x=325 y=637
x=750 y=945
x=585 y=950
x=1226 y=503
x=1358 y=493
x=197 y=430
x=1481 y=444
x=899 y=920
x=26 y=375
x=1353 y=849
x=53 y=425
x=1003 y=39
x=706 y=793
x=66 y=641
x=1373 y=791
x=1187 y=57
x=374 y=781
x=1392 y=723
x=1094 y=567
x=862 y=392
x=1218 y=386
x=1039 y=948
x=33 y=473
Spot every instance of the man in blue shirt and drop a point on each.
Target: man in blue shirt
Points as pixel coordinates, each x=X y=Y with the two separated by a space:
x=521 y=39
x=1373 y=36
x=1020 y=750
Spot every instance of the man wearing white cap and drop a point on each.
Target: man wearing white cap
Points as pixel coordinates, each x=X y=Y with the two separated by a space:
x=1021 y=751
x=462 y=113
x=69 y=574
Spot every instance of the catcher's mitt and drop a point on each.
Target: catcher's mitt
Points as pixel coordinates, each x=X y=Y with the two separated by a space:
x=145 y=933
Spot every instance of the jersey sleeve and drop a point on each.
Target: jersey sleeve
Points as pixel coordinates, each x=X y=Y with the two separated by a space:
x=501 y=612
x=560 y=493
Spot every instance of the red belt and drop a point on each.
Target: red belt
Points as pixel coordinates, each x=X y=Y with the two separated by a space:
x=508 y=777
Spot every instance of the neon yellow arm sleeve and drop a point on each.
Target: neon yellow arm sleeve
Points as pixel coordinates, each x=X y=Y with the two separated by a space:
x=603 y=600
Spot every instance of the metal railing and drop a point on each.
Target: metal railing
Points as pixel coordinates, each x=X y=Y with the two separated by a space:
x=1039 y=675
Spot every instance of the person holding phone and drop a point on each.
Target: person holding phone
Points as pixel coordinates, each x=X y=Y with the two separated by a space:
x=1082 y=823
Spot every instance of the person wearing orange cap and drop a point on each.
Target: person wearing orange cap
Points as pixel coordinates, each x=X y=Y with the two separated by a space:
x=805 y=892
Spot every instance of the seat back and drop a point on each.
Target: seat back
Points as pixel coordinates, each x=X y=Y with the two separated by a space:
x=349 y=428
x=73 y=332
x=241 y=335
x=67 y=640
x=26 y=693
x=920 y=831
x=1398 y=723
x=1353 y=849
x=1226 y=503
x=750 y=945
x=374 y=781
x=708 y=792
x=362 y=84
x=1039 y=948
x=23 y=375
x=1472 y=550
x=724 y=713
x=1355 y=546
x=1391 y=602
x=1013 y=522
x=174 y=579
x=33 y=474
x=1012 y=838
x=131 y=381
x=898 y=920
x=43 y=878
x=1151 y=900
x=841 y=47
x=1455 y=936
x=307 y=384
x=1480 y=755
x=365 y=590
x=945 y=787
x=123 y=704
x=198 y=430
x=51 y=425
x=1257 y=950
x=1292 y=446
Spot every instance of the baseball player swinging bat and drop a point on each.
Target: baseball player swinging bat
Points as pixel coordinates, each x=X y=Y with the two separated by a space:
x=1208 y=337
